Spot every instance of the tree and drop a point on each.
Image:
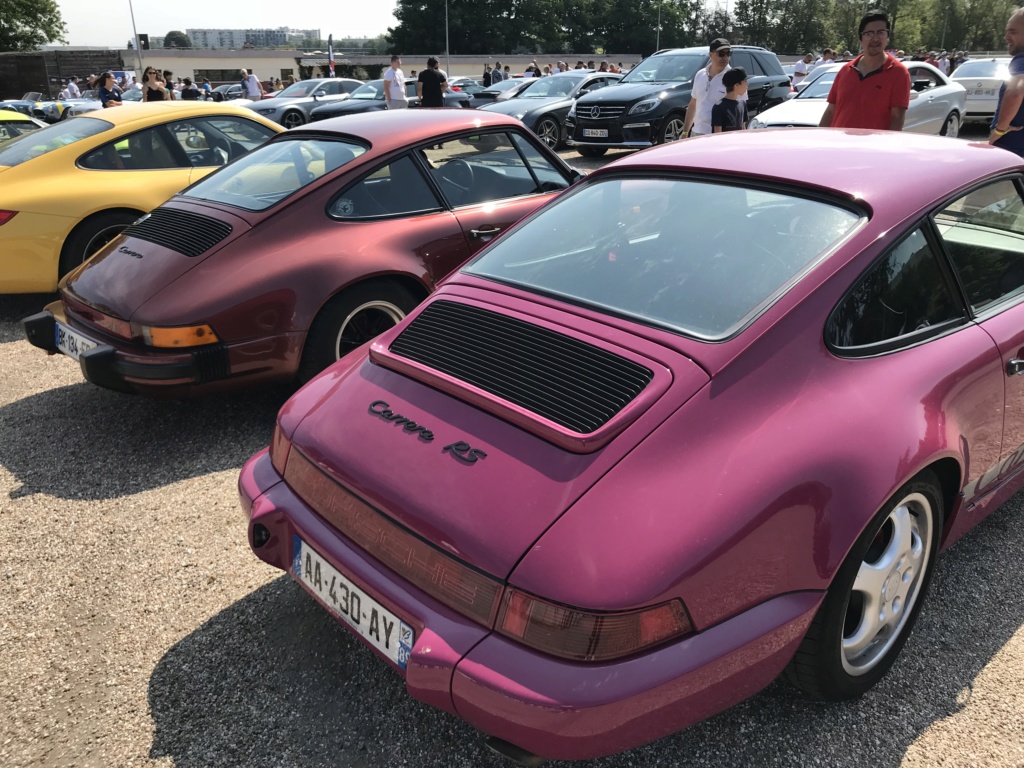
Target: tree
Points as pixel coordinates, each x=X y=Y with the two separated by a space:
x=27 y=24
x=176 y=39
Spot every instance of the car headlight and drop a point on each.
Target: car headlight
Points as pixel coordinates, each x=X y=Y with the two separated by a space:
x=755 y=123
x=519 y=115
x=644 y=106
x=266 y=111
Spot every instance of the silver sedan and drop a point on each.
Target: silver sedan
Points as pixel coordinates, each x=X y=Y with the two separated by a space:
x=982 y=78
x=291 y=107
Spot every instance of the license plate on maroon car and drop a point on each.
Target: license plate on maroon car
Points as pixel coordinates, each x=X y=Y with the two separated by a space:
x=70 y=342
x=595 y=133
x=372 y=621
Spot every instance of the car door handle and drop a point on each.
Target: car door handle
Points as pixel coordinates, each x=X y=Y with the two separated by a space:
x=485 y=232
x=1015 y=367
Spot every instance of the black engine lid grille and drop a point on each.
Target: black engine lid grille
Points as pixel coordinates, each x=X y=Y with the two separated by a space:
x=567 y=381
x=181 y=231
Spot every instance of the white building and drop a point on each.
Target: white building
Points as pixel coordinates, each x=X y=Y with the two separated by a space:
x=252 y=38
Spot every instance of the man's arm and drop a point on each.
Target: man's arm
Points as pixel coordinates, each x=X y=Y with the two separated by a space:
x=691 y=111
x=419 y=92
x=444 y=86
x=387 y=91
x=826 y=118
x=896 y=117
x=1013 y=97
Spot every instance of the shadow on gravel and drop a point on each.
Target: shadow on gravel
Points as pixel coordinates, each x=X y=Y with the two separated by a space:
x=84 y=442
x=13 y=309
x=273 y=680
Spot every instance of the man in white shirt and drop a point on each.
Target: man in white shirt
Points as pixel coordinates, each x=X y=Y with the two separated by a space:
x=801 y=69
x=253 y=87
x=394 y=85
x=73 y=88
x=708 y=89
x=64 y=94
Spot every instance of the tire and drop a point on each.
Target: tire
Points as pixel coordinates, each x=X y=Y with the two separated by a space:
x=872 y=604
x=672 y=129
x=591 y=151
x=91 y=235
x=549 y=132
x=293 y=119
x=951 y=127
x=350 y=319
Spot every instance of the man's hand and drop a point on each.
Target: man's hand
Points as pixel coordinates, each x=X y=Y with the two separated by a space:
x=897 y=115
x=1012 y=99
x=998 y=133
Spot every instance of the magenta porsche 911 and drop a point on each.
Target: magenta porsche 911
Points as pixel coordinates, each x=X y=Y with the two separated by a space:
x=280 y=263
x=707 y=418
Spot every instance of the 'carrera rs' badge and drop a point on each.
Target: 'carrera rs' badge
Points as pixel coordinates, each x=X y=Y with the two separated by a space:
x=460 y=450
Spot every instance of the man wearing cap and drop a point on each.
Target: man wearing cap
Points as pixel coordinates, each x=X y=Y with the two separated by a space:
x=708 y=89
x=873 y=90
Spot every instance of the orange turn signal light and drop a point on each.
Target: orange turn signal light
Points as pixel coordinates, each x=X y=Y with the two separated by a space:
x=183 y=336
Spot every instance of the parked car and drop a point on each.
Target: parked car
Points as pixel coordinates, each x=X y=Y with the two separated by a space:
x=293 y=105
x=14 y=124
x=544 y=102
x=298 y=253
x=648 y=106
x=981 y=79
x=706 y=419
x=69 y=188
x=229 y=92
x=501 y=90
x=936 y=103
x=370 y=98
x=466 y=85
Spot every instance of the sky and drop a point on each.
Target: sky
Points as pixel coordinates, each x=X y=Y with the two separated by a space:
x=109 y=22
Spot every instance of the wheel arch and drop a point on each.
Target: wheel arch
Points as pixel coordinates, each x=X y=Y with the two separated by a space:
x=950 y=476
x=405 y=280
x=88 y=220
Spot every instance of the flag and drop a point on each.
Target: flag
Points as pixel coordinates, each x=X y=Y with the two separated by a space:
x=330 y=53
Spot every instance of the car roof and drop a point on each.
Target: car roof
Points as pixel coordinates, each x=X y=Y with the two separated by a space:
x=13 y=115
x=393 y=129
x=170 y=109
x=859 y=165
x=703 y=49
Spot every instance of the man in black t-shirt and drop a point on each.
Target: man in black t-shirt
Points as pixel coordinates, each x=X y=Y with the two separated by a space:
x=431 y=85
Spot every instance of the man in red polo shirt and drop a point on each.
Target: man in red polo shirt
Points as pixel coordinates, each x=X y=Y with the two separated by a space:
x=873 y=90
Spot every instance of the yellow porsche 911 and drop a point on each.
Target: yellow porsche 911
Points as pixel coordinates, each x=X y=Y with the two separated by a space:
x=68 y=189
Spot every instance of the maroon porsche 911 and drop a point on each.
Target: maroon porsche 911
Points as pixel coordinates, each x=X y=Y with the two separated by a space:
x=279 y=264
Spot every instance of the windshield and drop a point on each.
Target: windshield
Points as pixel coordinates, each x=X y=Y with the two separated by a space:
x=983 y=68
x=274 y=171
x=678 y=68
x=371 y=90
x=298 y=90
x=502 y=85
x=819 y=88
x=548 y=87
x=37 y=143
x=696 y=257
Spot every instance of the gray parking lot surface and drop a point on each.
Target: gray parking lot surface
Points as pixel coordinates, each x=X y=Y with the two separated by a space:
x=136 y=627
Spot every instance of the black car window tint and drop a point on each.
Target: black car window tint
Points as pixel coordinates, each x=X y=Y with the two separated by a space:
x=398 y=189
x=743 y=59
x=983 y=232
x=549 y=178
x=149 y=150
x=904 y=293
x=769 y=63
x=757 y=67
x=479 y=168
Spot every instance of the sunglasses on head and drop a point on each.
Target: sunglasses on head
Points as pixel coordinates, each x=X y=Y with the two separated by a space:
x=724 y=53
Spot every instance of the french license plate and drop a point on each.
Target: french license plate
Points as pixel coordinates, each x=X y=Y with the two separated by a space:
x=374 y=623
x=983 y=92
x=595 y=133
x=70 y=342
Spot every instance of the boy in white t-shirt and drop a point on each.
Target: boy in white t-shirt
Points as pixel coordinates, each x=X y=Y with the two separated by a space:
x=394 y=85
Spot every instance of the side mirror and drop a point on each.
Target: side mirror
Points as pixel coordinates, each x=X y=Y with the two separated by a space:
x=318 y=94
x=196 y=142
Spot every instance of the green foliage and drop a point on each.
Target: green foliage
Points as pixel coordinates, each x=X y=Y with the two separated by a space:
x=177 y=39
x=500 y=27
x=27 y=24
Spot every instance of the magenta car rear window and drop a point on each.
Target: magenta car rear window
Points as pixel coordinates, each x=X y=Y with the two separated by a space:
x=274 y=171
x=696 y=257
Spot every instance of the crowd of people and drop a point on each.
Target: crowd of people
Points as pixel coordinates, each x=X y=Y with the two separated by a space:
x=497 y=73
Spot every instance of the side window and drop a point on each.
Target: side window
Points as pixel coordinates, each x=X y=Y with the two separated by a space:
x=217 y=141
x=745 y=60
x=921 y=79
x=394 y=190
x=480 y=168
x=550 y=178
x=904 y=293
x=142 y=151
x=757 y=68
x=983 y=232
x=769 y=63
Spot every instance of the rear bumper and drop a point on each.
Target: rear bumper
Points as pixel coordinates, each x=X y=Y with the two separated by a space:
x=550 y=707
x=202 y=370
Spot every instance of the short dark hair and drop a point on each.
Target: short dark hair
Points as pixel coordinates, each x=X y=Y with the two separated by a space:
x=733 y=77
x=395 y=57
x=875 y=14
x=431 y=62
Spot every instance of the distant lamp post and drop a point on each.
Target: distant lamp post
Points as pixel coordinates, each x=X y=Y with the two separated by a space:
x=657 y=40
x=447 y=52
x=138 y=48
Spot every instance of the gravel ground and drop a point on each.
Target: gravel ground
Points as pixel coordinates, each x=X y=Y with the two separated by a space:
x=136 y=628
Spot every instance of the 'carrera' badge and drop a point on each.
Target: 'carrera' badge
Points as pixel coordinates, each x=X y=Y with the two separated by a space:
x=129 y=252
x=460 y=450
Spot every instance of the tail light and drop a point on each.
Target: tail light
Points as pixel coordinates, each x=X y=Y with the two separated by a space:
x=176 y=337
x=6 y=216
x=114 y=325
x=280 y=445
x=572 y=633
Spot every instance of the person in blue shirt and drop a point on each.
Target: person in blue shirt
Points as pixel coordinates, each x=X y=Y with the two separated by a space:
x=1009 y=117
x=110 y=94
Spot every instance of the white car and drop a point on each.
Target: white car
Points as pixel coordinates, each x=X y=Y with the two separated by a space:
x=982 y=78
x=936 y=103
